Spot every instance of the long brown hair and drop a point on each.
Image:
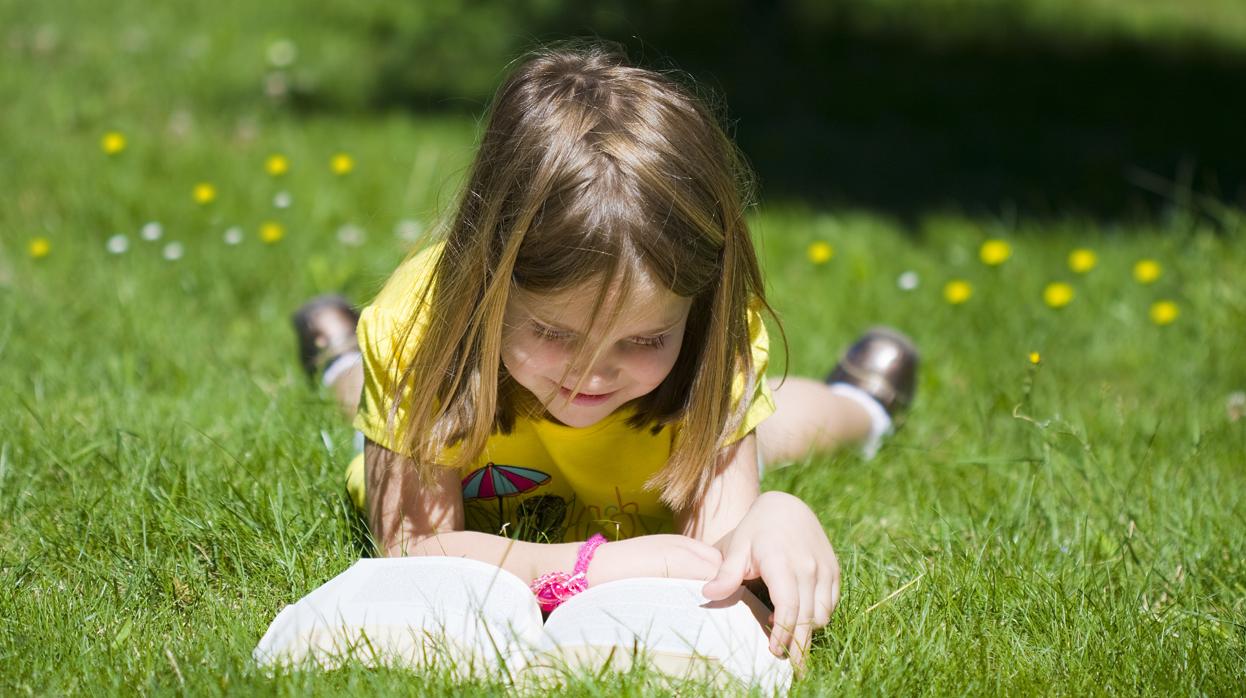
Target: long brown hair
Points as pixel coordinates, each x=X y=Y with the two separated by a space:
x=589 y=170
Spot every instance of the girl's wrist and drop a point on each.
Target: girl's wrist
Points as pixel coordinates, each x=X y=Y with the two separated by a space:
x=553 y=588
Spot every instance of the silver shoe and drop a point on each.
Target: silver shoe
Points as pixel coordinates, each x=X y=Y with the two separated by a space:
x=883 y=363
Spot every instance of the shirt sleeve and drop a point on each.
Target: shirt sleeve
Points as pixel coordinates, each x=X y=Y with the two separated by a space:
x=761 y=399
x=388 y=332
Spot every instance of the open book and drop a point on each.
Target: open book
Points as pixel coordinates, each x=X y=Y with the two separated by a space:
x=473 y=619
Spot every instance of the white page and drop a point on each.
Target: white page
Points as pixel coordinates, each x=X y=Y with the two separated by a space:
x=408 y=611
x=669 y=619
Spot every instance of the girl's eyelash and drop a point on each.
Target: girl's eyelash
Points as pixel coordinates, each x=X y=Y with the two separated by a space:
x=550 y=333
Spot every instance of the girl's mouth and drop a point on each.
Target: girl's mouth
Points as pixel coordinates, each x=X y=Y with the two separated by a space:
x=585 y=398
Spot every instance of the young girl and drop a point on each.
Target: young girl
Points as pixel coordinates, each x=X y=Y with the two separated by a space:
x=583 y=355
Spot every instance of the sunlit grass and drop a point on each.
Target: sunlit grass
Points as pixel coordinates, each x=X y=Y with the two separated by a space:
x=1061 y=512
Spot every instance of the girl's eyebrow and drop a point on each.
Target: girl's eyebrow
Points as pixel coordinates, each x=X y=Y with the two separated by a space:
x=560 y=328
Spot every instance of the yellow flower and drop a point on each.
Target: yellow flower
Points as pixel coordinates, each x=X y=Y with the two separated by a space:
x=1082 y=260
x=1164 y=312
x=1147 y=271
x=276 y=165
x=39 y=247
x=820 y=252
x=204 y=193
x=994 y=252
x=112 y=143
x=342 y=164
x=1035 y=358
x=1057 y=294
x=957 y=291
x=271 y=232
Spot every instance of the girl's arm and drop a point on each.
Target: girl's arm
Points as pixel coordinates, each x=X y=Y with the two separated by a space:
x=774 y=537
x=407 y=517
x=729 y=496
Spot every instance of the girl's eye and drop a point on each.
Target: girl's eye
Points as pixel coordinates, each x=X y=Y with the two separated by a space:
x=656 y=342
x=549 y=333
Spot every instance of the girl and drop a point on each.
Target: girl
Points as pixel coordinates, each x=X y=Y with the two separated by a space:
x=584 y=355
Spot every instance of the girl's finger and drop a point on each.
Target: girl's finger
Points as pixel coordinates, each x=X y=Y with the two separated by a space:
x=805 y=589
x=730 y=575
x=823 y=597
x=784 y=594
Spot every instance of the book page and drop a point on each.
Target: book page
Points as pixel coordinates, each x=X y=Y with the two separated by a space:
x=417 y=611
x=668 y=625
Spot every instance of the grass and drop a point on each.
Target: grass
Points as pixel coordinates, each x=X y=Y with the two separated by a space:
x=168 y=480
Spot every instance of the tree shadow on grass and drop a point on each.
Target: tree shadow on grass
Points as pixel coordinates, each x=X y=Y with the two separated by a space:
x=904 y=116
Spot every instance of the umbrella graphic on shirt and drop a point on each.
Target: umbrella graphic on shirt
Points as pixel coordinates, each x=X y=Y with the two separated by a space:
x=495 y=480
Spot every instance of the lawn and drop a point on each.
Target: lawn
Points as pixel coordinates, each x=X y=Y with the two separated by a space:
x=1056 y=516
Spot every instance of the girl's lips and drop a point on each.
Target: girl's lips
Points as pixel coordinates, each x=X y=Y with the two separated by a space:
x=585 y=398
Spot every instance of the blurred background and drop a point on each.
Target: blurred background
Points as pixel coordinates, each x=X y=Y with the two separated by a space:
x=1111 y=108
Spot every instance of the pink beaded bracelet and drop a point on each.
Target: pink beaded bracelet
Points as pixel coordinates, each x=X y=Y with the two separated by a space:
x=552 y=588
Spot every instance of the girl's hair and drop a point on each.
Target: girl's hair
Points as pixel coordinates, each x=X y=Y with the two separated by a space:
x=590 y=170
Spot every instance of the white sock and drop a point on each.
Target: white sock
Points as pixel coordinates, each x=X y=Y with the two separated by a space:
x=880 y=421
x=343 y=363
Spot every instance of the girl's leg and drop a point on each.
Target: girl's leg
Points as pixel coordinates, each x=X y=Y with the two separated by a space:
x=853 y=407
x=325 y=326
x=346 y=386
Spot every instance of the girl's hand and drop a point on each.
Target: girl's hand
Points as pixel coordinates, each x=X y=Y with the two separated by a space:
x=781 y=541
x=665 y=555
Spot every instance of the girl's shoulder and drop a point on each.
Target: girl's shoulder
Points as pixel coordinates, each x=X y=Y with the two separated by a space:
x=405 y=287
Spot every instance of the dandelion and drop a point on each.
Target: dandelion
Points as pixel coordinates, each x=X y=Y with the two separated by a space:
x=173 y=251
x=118 y=244
x=233 y=235
x=408 y=230
x=994 y=252
x=1058 y=294
x=1146 y=271
x=204 y=193
x=1082 y=260
x=1164 y=312
x=151 y=231
x=112 y=143
x=282 y=53
x=957 y=291
x=820 y=252
x=908 y=281
x=39 y=247
x=342 y=164
x=1035 y=358
x=271 y=232
x=276 y=165
x=350 y=235
x=282 y=199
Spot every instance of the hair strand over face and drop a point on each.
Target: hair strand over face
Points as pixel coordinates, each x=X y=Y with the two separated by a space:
x=589 y=170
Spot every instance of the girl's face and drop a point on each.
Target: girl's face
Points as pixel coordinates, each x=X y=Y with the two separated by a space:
x=541 y=336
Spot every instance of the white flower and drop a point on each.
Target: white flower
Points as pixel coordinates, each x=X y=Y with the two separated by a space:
x=118 y=244
x=408 y=230
x=351 y=235
x=173 y=251
x=908 y=281
x=282 y=53
x=282 y=199
x=233 y=235
x=152 y=231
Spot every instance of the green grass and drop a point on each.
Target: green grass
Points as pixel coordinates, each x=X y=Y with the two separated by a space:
x=168 y=480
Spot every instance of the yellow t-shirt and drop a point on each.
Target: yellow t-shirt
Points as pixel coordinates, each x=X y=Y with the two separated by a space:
x=543 y=481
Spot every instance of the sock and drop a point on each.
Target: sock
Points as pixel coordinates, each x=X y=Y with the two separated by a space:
x=880 y=421
x=344 y=362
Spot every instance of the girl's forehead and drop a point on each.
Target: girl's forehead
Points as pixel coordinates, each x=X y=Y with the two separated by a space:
x=644 y=307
